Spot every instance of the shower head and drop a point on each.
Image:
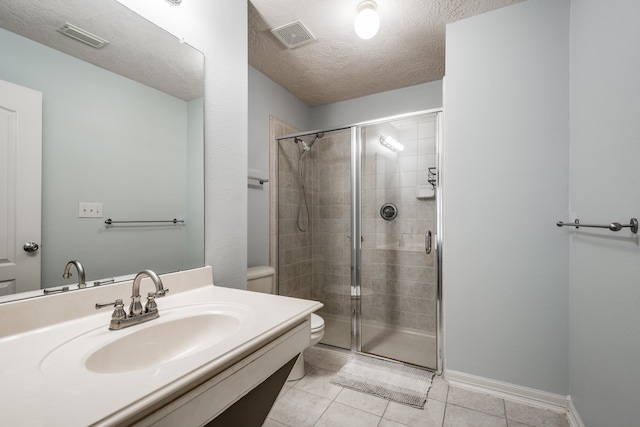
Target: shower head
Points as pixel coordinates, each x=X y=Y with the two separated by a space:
x=304 y=145
x=316 y=136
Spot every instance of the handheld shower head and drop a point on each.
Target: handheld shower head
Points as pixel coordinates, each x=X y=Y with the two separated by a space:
x=315 y=137
x=304 y=145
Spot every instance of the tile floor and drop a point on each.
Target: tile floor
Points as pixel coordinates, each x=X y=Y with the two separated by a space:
x=314 y=401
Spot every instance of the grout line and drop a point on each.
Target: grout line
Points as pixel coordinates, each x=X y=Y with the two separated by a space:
x=444 y=414
x=446 y=402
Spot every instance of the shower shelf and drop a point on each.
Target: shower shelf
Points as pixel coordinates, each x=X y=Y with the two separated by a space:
x=431 y=176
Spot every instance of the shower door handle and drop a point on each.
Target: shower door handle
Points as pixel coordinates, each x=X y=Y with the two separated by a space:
x=427 y=241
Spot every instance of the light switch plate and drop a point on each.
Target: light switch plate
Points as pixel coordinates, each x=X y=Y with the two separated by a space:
x=89 y=210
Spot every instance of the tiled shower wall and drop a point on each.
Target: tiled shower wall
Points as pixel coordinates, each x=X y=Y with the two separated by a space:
x=291 y=257
x=331 y=222
x=399 y=278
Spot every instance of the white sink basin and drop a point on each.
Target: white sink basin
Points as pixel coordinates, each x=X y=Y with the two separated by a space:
x=163 y=342
x=178 y=333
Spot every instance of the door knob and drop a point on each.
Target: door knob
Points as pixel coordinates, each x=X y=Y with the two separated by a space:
x=30 y=247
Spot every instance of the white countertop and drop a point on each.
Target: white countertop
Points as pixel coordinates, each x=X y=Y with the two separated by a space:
x=39 y=387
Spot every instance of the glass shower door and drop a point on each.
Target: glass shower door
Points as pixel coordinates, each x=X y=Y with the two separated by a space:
x=330 y=222
x=398 y=224
x=376 y=182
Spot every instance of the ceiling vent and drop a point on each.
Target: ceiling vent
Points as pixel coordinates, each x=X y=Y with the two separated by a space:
x=293 y=35
x=82 y=35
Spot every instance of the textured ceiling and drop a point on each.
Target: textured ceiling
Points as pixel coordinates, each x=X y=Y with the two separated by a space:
x=137 y=49
x=408 y=50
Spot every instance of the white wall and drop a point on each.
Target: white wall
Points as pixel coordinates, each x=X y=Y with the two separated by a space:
x=604 y=354
x=266 y=98
x=505 y=184
x=424 y=96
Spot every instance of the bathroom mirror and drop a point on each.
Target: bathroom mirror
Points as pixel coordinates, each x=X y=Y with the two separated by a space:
x=122 y=131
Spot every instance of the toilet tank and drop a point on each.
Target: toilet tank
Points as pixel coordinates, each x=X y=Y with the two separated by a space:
x=260 y=279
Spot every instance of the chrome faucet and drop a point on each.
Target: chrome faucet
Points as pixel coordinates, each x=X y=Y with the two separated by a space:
x=135 y=309
x=67 y=273
x=120 y=319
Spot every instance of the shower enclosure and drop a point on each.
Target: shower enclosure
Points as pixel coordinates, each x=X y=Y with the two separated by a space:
x=357 y=229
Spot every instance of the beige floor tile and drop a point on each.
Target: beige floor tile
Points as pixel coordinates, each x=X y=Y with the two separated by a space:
x=439 y=389
x=272 y=423
x=431 y=416
x=511 y=423
x=388 y=423
x=318 y=382
x=476 y=401
x=299 y=408
x=314 y=355
x=457 y=416
x=342 y=415
x=364 y=401
x=314 y=401
x=334 y=361
x=285 y=388
x=535 y=416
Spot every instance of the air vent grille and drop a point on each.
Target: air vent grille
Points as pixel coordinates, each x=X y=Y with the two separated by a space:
x=293 y=35
x=82 y=35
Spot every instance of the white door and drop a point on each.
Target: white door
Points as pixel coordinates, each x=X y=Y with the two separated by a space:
x=20 y=187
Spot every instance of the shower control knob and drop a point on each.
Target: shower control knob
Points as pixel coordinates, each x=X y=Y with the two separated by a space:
x=30 y=247
x=388 y=211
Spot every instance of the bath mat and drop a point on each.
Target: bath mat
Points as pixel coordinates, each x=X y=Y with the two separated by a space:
x=386 y=379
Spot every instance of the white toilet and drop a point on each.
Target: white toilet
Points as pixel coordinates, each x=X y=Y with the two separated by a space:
x=260 y=279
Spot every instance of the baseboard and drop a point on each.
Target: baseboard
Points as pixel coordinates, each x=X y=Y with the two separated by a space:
x=528 y=396
x=572 y=414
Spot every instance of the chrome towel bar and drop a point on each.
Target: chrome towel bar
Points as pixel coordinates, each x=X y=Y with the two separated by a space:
x=614 y=226
x=260 y=180
x=173 y=221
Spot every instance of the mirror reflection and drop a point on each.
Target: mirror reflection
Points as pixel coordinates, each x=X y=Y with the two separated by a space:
x=124 y=145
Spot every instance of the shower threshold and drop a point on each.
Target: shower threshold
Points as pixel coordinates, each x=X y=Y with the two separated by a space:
x=416 y=348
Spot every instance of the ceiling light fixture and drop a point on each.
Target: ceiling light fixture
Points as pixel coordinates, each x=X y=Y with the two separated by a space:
x=367 y=21
x=82 y=35
x=391 y=143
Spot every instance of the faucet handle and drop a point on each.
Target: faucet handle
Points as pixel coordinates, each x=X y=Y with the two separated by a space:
x=151 y=303
x=118 y=313
x=109 y=304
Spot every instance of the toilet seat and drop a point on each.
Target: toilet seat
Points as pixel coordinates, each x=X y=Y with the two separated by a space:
x=317 y=323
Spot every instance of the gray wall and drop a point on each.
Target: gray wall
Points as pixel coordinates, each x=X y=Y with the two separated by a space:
x=195 y=183
x=106 y=139
x=219 y=30
x=604 y=352
x=265 y=98
x=424 y=96
x=505 y=184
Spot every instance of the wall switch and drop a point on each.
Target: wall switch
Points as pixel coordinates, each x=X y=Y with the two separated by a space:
x=89 y=210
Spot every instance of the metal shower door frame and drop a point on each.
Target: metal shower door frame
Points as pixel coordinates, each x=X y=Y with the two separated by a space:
x=356 y=230
x=356 y=225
